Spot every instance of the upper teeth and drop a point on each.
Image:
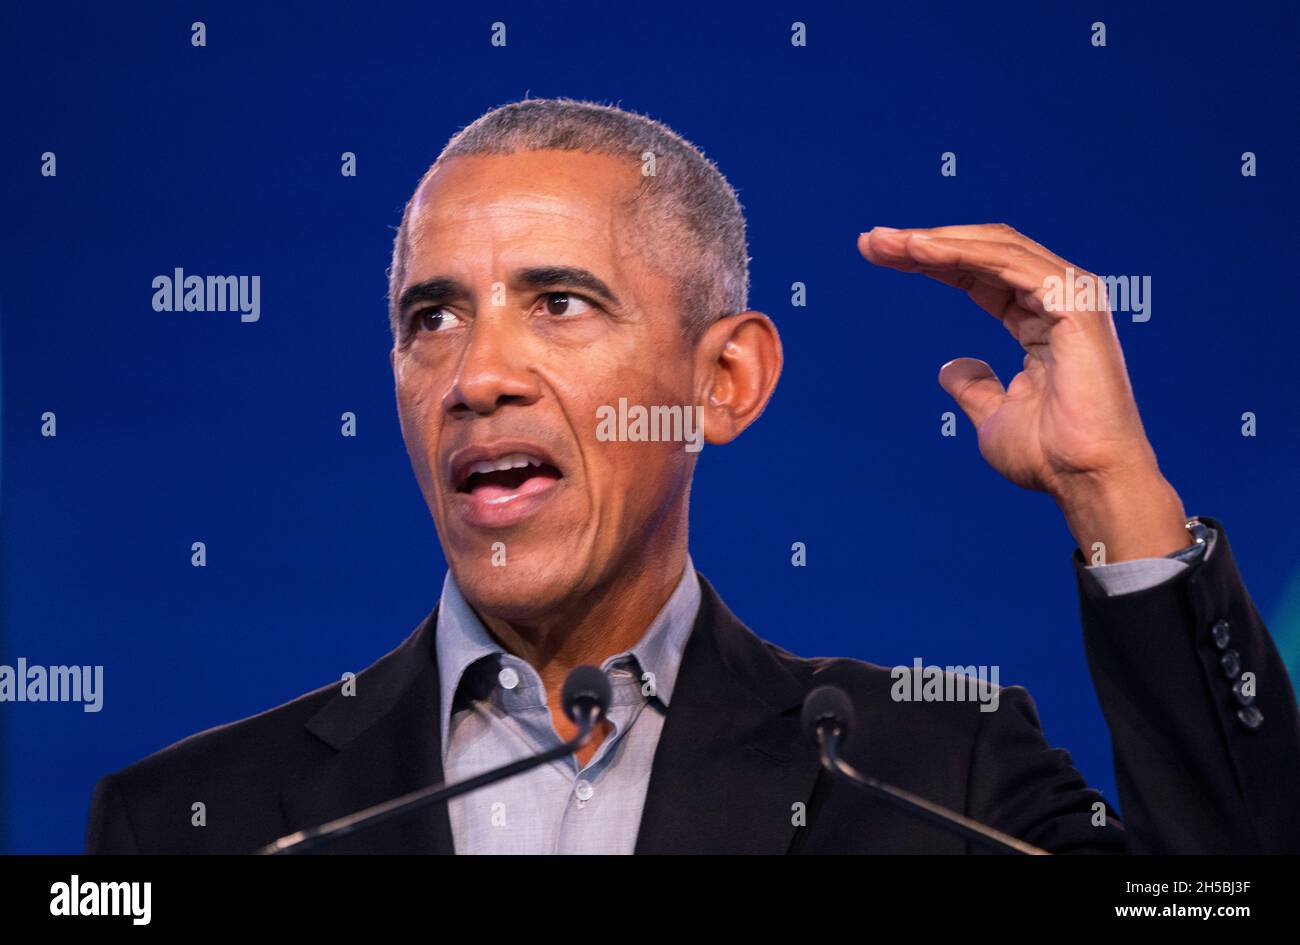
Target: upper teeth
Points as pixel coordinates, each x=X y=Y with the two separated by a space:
x=509 y=461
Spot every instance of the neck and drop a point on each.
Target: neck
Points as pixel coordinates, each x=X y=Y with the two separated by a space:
x=610 y=618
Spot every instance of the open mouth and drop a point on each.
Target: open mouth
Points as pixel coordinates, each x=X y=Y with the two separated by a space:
x=501 y=479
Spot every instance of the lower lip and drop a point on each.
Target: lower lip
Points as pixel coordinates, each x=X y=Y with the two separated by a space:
x=507 y=510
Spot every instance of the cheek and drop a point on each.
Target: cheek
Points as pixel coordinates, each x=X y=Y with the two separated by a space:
x=636 y=370
x=637 y=484
x=591 y=392
x=415 y=381
x=410 y=411
x=418 y=413
x=636 y=475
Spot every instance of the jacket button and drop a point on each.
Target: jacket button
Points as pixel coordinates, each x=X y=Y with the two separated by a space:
x=1251 y=717
x=1230 y=663
x=1242 y=696
x=1219 y=633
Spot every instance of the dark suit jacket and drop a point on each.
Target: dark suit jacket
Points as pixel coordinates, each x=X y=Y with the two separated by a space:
x=732 y=764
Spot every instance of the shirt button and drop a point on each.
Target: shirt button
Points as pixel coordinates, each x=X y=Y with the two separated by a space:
x=1220 y=635
x=583 y=790
x=508 y=678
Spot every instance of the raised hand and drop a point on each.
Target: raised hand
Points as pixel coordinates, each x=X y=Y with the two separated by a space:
x=1067 y=424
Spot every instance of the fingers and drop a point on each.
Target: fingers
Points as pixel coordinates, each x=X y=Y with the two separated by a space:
x=1006 y=265
x=996 y=299
x=974 y=386
x=1005 y=273
x=996 y=232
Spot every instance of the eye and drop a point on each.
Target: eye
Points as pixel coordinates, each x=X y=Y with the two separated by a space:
x=565 y=305
x=433 y=319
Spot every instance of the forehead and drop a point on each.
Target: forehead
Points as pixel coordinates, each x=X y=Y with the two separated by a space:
x=530 y=208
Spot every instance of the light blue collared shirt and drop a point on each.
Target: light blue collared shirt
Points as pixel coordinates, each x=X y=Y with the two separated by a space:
x=494 y=711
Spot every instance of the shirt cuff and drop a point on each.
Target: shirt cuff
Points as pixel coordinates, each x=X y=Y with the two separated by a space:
x=1140 y=574
x=1128 y=577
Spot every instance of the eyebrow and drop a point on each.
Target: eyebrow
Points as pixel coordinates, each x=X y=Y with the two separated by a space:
x=438 y=290
x=442 y=289
x=539 y=277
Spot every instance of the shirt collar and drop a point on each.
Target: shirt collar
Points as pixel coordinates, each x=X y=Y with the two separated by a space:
x=461 y=640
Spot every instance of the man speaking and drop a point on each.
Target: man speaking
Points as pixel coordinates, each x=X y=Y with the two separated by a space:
x=568 y=303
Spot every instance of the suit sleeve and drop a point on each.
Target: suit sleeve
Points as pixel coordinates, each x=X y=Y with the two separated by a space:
x=1023 y=786
x=108 y=828
x=1203 y=764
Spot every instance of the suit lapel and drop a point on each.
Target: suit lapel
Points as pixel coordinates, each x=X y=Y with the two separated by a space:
x=730 y=768
x=380 y=743
x=732 y=764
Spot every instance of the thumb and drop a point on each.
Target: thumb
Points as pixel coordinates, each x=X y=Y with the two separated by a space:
x=974 y=386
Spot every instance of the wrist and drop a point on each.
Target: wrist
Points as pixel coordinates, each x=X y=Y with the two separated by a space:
x=1117 y=519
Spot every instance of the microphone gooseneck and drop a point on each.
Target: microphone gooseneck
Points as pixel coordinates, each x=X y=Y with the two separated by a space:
x=827 y=719
x=585 y=698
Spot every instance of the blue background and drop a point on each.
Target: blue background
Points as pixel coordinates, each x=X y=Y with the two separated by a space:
x=180 y=427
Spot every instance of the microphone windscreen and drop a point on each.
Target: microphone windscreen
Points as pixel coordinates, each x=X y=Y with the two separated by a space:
x=827 y=703
x=586 y=683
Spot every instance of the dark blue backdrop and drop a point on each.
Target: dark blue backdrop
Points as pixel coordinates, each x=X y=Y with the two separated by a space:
x=174 y=428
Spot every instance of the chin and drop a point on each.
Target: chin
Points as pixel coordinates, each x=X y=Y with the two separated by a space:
x=517 y=592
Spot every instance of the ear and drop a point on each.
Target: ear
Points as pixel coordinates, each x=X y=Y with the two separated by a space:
x=738 y=362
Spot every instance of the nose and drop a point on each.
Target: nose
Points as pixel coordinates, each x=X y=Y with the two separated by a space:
x=493 y=371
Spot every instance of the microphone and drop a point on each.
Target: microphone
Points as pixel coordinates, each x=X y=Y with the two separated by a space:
x=827 y=720
x=585 y=698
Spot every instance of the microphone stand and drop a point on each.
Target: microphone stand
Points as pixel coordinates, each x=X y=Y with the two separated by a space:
x=828 y=740
x=304 y=840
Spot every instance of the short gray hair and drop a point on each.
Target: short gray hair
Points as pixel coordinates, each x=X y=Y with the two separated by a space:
x=692 y=218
